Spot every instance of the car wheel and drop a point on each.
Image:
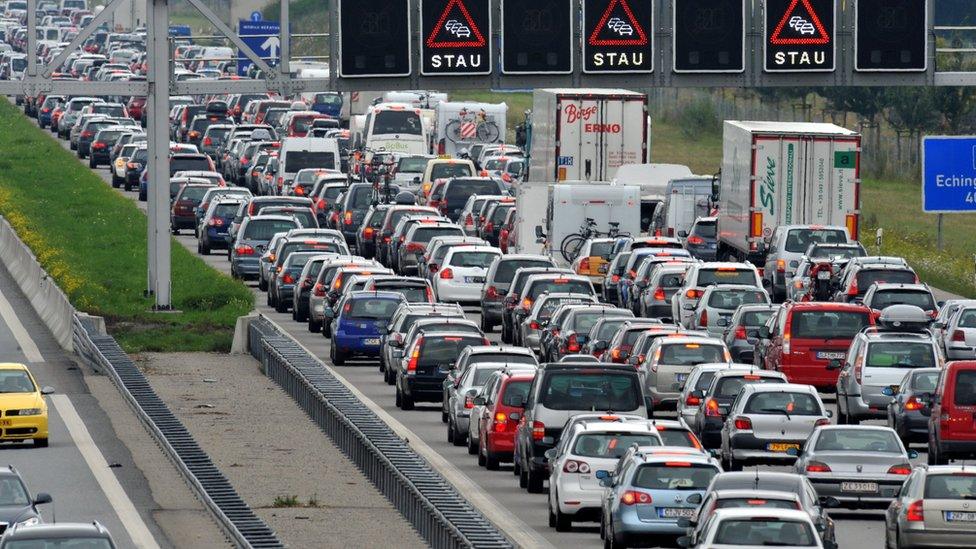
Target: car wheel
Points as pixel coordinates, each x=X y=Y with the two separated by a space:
x=533 y=481
x=472 y=446
x=176 y=231
x=444 y=415
x=338 y=357
x=451 y=437
x=40 y=442
x=523 y=478
x=491 y=462
x=398 y=398
x=204 y=249
x=300 y=316
x=486 y=326
x=116 y=182
x=262 y=284
x=406 y=402
x=327 y=329
x=482 y=459
x=281 y=306
x=314 y=326
x=563 y=521
x=91 y=163
x=269 y=299
x=552 y=516
x=391 y=376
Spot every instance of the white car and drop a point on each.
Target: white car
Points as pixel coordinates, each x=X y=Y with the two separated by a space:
x=742 y=527
x=462 y=274
x=575 y=493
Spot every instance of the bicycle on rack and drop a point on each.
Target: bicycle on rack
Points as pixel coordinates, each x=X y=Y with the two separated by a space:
x=571 y=245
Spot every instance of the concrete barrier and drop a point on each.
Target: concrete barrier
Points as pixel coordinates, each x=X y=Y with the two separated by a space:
x=43 y=293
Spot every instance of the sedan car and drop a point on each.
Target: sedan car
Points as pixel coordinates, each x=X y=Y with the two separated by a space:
x=905 y=410
x=24 y=405
x=860 y=466
x=934 y=509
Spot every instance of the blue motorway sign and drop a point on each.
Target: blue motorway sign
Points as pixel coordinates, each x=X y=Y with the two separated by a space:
x=255 y=16
x=262 y=37
x=949 y=174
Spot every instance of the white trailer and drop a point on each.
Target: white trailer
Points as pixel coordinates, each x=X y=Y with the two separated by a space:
x=685 y=200
x=529 y=213
x=462 y=124
x=357 y=103
x=653 y=182
x=784 y=173
x=586 y=134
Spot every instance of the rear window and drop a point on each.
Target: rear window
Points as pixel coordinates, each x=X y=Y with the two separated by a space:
x=591 y=391
x=739 y=503
x=582 y=322
x=299 y=160
x=802 y=404
x=967 y=319
x=608 y=328
x=371 y=308
x=500 y=212
x=900 y=354
x=954 y=486
x=561 y=285
x=827 y=324
x=264 y=229
x=731 y=299
x=459 y=189
x=601 y=248
x=772 y=531
x=926 y=381
x=187 y=164
x=867 y=277
x=857 y=440
x=473 y=259
x=193 y=194
x=516 y=392
x=509 y=358
x=425 y=234
x=704 y=380
x=798 y=240
x=731 y=275
x=412 y=164
x=918 y=298
x=225 y=210
x=729 y=387
x=674 y=476
x=611 y=445
x=707 y=229
x=546 y=309
x=835 y=252
x=679 y=437
x=631 y=336
x=445 y=350
x=413 y=294
x=671 y=280
x=621 y=263
x=756 y=318
x=361 y=198
x=446 y=169
x=690 y=354
x=506 y=269
x=397 y=215
x=965 y=388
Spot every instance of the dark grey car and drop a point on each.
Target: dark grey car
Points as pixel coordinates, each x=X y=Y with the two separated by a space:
x=17 y=508
x=742 y=330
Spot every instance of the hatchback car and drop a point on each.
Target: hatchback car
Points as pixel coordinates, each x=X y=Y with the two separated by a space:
x=748 y=528
x=24 y=405
x=742 y=330
x=702 y=275
x=655 y=296
x=252 y=240
x=716 y=400
x=90 y=535
x=907 y=401
x=428 y=359
x=403 y=319
x=959 y=334
x=182 y=214
x=934 y=509
x=463 y=272
x=695 y=389
x=362 y=319
x=702 y=239
x=533 y=328
x=462 y=393
x=17 y=507
x=951 y=414
x=215 y=225
x=882 y=295
x=670 y=361
x=500 y=406
x=720 y=302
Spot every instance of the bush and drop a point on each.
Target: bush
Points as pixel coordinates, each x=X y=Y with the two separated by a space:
x=697 y=118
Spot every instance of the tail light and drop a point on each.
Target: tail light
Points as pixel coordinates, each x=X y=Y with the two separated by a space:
x=913 y=404
x=538 y=430
x=534 y=325
x=415 y=356
x=414 y=247
x=852 y=291
x=98 y=145
x=615 y=278
x=659 y=294
x=319 y=290
x=132 y=165
x=822 y=422
x=740 y=333
x=244 y=250
x=572 y=344
x=501 y=422
x=194 y=134
x=694 y=293
x=959 y=335
x=615 y=354
x=631 y=274
x=527 y=303
x=430 y=294
x=447 y=274
x=368 y=233
x=633 y=497
x=743 y=424
x=489 y=227
x=334 y=218
x=216 y=222
x=492 y=292
x=468 y=221
x=915 y=512
x=704 y=318
x=781 y=265
x=321 y=205
x=299 y=191
x=207 y=142
x=692 y=400
x=468 y=402
x=901 y=469
x=347 y=218
x=696 y=240
x=858 y=369
x=574 y=466
x=817 y=467
x=711 y=408
x=585 y=265
x=287 y=278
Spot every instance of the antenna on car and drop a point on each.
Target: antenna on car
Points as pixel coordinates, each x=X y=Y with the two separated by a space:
x=757 y=478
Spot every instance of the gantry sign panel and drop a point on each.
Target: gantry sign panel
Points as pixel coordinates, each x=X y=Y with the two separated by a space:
x=375 y=38
x=455 y=37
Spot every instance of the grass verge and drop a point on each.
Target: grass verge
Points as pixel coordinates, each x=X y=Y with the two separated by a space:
x=92 y=241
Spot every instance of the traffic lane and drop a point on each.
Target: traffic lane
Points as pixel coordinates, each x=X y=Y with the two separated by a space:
x=61 y=469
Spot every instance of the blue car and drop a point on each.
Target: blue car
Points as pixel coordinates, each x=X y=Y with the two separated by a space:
x=361 y=323
x=651 y=488
x=215 y=226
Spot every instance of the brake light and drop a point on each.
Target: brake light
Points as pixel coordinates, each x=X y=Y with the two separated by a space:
x=694 y=293
x=492 y=292
x=320 y=205
x=415 y=247
x=447 y=274
x=469 y=402
x=527 y=303
x=704 y=318
x=572 y=343
x=633 y=497
x=743 y=423
x=822 y=422
x=915 y=512
x=913 y=404
x=216 y=222
x=857 y=369
x=692 y=400
x=489 y=227
x=415 y=356
x=740 y=333
x=958 y=335
x=244 y=250
x=852 y=291
x=287 y=278
x=584 y=265
x=781 y=265
x=430 y=294
x=711 y=408
x=659 y=294
x=98 y=145
x=615 y=353
x=902 y=469
x=319 y=290
x=631 y=274
x=538 y=430
x=368 y=233
x=86 y=134
x=574 y=466
x=696 y=240
x=347 y=218
x=615 y=278
x=533 y=325
x=207 y=141
x=817 y=467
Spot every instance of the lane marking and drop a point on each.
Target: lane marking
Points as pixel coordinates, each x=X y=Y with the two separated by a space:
x=517 y=530
x=124 y=508
x=27 y=345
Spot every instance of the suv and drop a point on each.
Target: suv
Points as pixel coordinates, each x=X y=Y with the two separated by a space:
x=879 y=359
x=427 y=360
x=952 y=409
x=559 y=391
x=702 y=275
x=806 y=337
x=787 y=245
x=881 y=295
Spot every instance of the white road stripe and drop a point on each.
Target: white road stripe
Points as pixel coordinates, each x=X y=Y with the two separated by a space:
x=27 y=345
x=124 y=508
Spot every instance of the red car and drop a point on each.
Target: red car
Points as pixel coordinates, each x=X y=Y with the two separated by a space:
x=952 y=414
x=807 y=336
x=502 y=408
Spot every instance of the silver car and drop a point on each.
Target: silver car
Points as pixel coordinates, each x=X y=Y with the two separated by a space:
x=703 y=275
x=769 y=423
x=462 y=393
x=719 y=303
x=935 y=509
x=959 y=334
x=695 y=389
x=860 y=466
x=670 y=361
x=542 y=310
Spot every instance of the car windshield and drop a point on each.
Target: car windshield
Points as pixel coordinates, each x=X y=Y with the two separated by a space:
x=900 y=354
x=592 y=391
x=707 y=229
x=726 y=275
x=755 y=318
x=611 y=445
x=12 y=492
x=798 y=240
x=729 y=387
x=918 y=298
x=373 y=308
x=300 y=160
x=827 y=324
x=857 y=440
x=397 y=122
x=16 y=381
x=689 y=354
x=60 y=543
x=473 y=259
x=507 y=267
x=777 y=402
x=443 y=350
x=264 y=229
x=451 y=169
x=758 y=531
x=679 y=437
x=676 y=475
x=731 y=299
x=739 y=503
x=951 y=486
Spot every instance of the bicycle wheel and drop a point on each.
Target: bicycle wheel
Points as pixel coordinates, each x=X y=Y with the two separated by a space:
x=453 y=130
x=571 y=246
x=487 y=132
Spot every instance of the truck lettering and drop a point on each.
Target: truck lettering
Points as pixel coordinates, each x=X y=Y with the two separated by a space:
x=575 y=114
x=768 y=187
x=789 y=184
x=601 y=128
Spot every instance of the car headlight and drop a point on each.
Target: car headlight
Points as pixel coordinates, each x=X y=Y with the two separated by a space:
x=27 y=412
x=33 y=521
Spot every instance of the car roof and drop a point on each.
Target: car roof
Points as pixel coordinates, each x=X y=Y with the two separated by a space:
x=492 y=349
x=57 y=530
x=795 y=515
x=755 y=494
x=874 y=336
x=630 y=425
x=723 y=287
x=12 y=366
x=881 y=286
x=779 y=387
x=682 y=339
x=393 y=296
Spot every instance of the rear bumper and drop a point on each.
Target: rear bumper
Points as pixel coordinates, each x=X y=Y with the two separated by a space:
x=937 y=538
x=887 y=490
x=960 y=352
x=183 y=221
x=957 y=448
x=246 y=268
x=427 y=389
x=748 y=447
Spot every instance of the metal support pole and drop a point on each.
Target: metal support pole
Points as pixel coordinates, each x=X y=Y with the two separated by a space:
x=285 y=35
x=938 y=235
x=158 y=142
x=32 y=37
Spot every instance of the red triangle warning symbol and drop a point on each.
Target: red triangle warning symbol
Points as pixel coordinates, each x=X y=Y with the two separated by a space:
x=456 y=30
x=618 y=29
x=797 y=28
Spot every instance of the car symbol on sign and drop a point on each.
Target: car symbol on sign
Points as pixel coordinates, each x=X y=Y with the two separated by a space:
x=620 y=26
x=801 y=25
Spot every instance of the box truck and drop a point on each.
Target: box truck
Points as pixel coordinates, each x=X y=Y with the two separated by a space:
x=685 y=200
x=784 y=173
x=586 y=134
x=653 y=181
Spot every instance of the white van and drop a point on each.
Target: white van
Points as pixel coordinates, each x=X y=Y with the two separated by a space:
x=653 y=181
x=570 y=203
x=298 y=153
x=685 y=200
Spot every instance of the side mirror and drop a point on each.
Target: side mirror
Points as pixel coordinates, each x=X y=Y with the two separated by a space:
x=830 y=544
x=829 y=502
x=47 y=390
x=416 y=180
x=551 y=454
x=912 y=454
x=328 y=312
x=794 y=263
x=641 y=283
x=682 y=234
x=694 y=498
x=834 y=363
x=606 y=482
x=688 y=306
x=42 y=498
x=764 y=332
x=830 y=413
x=722 y=322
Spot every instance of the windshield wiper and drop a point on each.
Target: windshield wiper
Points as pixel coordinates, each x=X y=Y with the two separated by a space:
x=778 y=411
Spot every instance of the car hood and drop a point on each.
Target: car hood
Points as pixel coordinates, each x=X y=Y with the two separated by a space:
x=17 y=401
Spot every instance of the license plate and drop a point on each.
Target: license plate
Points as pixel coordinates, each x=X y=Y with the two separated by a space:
x=782 y=446
x=475 y=279
x=6 y=423
x=958 y=516
x=675 y=512
x=371 y=341
x=831 y=355
x=823 y=275
x=859 y=487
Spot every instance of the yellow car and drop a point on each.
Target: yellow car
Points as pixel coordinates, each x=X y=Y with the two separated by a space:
x=23 y=405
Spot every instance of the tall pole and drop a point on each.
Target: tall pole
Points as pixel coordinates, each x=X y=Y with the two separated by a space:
x=158 y=143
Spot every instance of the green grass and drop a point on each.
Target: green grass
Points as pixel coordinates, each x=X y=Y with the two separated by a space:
x=92 y=241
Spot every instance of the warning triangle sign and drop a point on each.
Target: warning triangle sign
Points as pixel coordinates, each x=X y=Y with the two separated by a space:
x=618 y=27
x=800 y=26
x=456 y=29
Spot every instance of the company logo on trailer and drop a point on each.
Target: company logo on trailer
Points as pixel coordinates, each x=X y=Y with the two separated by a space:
x=800 y=26
x=575 y=114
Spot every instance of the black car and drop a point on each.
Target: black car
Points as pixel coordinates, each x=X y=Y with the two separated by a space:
x=426 y=361
x=133 y=169
x=356 y=200
x=905 y=410
x=17 y=508
x=103 y=144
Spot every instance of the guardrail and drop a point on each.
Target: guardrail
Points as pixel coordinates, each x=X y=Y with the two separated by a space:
x=236 y=518
x=429 y=502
